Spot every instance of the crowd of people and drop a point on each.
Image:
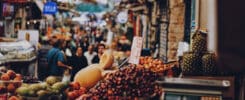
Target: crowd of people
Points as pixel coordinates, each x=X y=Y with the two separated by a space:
x=77 y=46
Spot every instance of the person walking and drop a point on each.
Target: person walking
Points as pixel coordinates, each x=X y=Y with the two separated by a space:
x=56 y=58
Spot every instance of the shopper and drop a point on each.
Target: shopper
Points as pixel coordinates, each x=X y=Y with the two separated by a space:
x=90 y=54
x=101 y=49
x=98 y=36
x=56 y=58
x=84 y=44
x=78 y=61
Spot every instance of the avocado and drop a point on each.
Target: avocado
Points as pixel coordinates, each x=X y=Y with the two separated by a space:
x=43 y=93
x=35 y=87
x=59 y=86
x=32 y=93
x=44 y=85
x=23 y=91
x=24 y=85
x=52 y=79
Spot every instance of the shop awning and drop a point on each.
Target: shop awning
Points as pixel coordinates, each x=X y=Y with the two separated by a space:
x=90 y=7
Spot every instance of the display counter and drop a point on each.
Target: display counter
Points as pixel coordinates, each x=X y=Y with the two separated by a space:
x=198 y=88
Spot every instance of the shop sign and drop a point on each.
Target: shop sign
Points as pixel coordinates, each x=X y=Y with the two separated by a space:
x=50 y=8
x=136 y=50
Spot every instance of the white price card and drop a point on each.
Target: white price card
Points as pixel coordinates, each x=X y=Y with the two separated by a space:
x=182 y=47
x=136 y=50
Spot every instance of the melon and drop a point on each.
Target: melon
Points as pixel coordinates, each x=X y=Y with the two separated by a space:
x=89 y=76
x=106 y=60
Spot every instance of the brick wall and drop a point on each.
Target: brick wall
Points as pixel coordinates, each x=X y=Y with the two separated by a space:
x=176 y=27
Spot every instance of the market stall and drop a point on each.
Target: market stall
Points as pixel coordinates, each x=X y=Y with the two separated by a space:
x=17 y=55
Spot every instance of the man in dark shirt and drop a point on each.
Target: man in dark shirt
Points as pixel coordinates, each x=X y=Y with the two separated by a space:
x=101 y=49
x=78 y=61
x=56 y=59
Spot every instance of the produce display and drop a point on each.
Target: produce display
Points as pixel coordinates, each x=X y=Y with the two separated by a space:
x=199 y=61
x=75 y=90
x=96 y=81
x=48 y=89
x=155 y=65
x=10 y=81
x=128 y=83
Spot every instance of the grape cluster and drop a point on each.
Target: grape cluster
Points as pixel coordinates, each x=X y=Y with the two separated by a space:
x=127 y=83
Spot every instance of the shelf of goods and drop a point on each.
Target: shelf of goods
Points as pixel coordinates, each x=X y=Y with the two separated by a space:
x=198 y=88
x=18 y=51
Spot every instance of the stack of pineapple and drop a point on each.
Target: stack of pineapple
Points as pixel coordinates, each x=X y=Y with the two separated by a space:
x=199 y=61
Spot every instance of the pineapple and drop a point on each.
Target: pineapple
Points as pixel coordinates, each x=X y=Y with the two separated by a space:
x=199 y=42
x=209 y=64
x=192 y=63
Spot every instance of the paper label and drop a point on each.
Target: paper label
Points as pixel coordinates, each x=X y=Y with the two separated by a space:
x=182 y=47
x=136 y=50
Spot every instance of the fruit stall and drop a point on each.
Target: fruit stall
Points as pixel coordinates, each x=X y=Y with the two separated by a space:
x=150 y=79
x=96 y=81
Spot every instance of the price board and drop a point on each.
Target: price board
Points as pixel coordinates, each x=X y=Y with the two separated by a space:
x=136 y=50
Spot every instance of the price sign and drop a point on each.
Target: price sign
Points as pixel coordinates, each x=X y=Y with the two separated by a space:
x=136 y=50
x=50 y=8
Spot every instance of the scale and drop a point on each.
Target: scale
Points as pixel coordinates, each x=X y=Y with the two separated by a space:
x=193 y=89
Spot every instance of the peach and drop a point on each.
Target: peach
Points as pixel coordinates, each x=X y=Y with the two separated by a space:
x=11 y=74
x=5 y=77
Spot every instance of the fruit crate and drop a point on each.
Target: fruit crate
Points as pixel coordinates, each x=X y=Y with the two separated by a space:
x=9 y=86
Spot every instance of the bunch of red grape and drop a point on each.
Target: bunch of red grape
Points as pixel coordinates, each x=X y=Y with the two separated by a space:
x=128 y=83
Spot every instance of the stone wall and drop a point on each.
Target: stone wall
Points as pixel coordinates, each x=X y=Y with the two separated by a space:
x=176 y=27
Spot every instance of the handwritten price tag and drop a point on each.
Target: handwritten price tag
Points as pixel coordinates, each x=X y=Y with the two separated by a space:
x=136 y=50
